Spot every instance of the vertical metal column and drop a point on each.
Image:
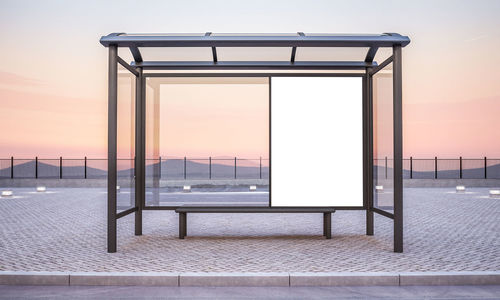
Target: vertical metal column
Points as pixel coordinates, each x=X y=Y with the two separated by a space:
x=60 y=167
x=411 y=167
x=435 y=167
x=85 y=168
x=138 y=154
x=369 y=215
x=210 y=167
x=156 y=141
x=112 y=140
x=36 y=167
x=398 y=148
x=460 y=167
x=366 y=154
x=142 y=158
x=485 y=168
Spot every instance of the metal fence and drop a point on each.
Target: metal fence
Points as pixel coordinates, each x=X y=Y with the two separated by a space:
x=441 y=168
x=235 y=168
x=165 y=168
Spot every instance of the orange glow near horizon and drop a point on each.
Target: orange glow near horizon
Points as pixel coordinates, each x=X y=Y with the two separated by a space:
x=53 y=76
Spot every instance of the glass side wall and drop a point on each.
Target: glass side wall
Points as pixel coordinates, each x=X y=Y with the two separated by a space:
x=383 y=152
x=125 y=189
x=207 y=141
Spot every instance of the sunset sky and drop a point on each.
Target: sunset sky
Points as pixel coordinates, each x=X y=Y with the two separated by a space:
x=53 y=75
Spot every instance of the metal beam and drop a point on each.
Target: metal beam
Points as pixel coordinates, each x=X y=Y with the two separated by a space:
x=214 y=50
x=382 y=212
x=398 y=148
x=254 y=65
x=370 y=55
x=136 y=53
x=375 y=69
x=127 y=66
x=294 y=48
x=126 y=212
x=224 y=74
x=112 y=144
x=255 y=41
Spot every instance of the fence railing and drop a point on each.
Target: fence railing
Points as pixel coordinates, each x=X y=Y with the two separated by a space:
x=441 y=168
x=169 y=168
x=235 y=168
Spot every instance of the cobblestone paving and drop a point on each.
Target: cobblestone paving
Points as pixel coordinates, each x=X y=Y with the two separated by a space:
x=66 y=231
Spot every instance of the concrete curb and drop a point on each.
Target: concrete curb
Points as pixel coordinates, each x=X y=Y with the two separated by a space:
x=343 y=279
x=250 y=279
x=234 y=279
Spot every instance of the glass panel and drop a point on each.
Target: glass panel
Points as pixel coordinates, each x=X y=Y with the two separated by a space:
x=331 y=53
x=383 y=195
x=125 y=140
x=254 y=53
x=216 y=119
x=176 y=53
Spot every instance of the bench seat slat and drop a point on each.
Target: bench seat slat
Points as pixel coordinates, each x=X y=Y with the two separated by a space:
x=192 y=209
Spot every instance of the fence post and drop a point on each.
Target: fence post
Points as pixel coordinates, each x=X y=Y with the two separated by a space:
x=60 y=167
x=260 y=167
x=485 y=168
x=411 y=167
x=36 y=166
x=85 y=167
x=235 y=167
x=12 y=167
x=386 y=167
x=435 y=167
x=184 y=167
x=159 y=168
x=210 y=167
x=460 y=167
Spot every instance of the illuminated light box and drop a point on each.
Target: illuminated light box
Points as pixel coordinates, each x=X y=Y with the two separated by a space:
x=316 y=141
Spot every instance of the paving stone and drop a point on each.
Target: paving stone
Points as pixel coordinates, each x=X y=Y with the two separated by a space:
x=65 y=231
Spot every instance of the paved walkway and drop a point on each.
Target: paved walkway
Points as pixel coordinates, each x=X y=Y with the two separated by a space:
x=66 y=231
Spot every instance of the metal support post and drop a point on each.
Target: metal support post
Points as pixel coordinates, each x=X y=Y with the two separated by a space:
x=112 y=145
x=398 y=148
x=139 y=172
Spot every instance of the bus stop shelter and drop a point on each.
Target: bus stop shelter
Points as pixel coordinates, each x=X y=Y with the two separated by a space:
x=365 y=68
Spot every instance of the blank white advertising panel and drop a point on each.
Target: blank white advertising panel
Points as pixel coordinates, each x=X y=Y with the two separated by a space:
x=316 y=141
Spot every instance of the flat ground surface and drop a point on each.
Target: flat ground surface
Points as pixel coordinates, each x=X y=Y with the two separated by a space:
x=65 y=230
x=383 y=292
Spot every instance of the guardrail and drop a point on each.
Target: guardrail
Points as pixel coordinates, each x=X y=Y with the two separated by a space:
x=236 y=168
x=169 y=168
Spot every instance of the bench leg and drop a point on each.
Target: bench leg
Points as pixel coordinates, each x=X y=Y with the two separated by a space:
x=327 y=225
x=182 y=225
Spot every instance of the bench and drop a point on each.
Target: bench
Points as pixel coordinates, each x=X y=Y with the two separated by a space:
x=184 y=210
